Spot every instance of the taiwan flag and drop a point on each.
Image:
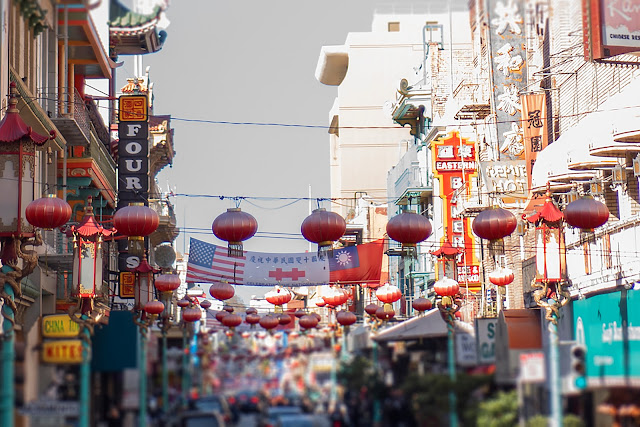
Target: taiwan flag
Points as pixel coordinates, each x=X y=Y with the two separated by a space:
x=357 y=264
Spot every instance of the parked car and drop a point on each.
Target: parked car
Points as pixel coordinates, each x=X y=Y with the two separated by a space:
x=269 y=418
x=247 y=401
x=197 y=418
x=214 y=403
x=302 y=420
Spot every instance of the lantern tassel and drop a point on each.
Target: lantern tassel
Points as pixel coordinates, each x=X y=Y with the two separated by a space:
x=235 y=250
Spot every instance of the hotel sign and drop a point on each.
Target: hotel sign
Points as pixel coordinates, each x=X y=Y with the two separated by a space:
x=62 y=351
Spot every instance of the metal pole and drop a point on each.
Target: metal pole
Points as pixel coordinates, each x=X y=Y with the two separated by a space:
x=8 y=356
x=165 y=375
x=142 y=413
x=85 y=392
x=554 y=365
x=453 y=415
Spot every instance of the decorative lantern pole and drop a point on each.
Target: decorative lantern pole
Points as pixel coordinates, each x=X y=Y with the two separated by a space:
x=88 y=237
x=17 y=160
x=551 y=293
x=449 y=304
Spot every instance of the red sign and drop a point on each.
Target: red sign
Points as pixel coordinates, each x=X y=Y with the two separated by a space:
x=455 y=166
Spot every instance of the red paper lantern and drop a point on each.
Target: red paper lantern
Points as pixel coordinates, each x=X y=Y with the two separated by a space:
x=317 y=316
x=323 y=227
x=191 y=314
x=234 y=227
x=278 y=296
x=446 y=287
x=383 y=314
x=136 y=220
x=321 y=303
x=371 y=309
x=228 y=308
x=308 y=321
x=501 y=276
x=335 y=297
x=495 y=223
x=205 y=304
x=167 y=282
x=299 y=313
x=48 y=212
x=421 y=304
x=251 y=310
x=586 y=213
x=251 y=318
x=220 y=315
x=388 y=294
x=183 y=303
x=269 y=322
x=231 y=320
x=284 y=319
x=409 y=228
x=154 y=307
x=221 y=291
x=346 y=318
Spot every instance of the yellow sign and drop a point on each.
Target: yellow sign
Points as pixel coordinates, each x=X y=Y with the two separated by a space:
x=127 y=282
x=59 y=326
x=62 y=351
x=133 y=108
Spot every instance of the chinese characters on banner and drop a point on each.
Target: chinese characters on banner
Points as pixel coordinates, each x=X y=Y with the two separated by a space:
x=534 y=126
x=455 y=165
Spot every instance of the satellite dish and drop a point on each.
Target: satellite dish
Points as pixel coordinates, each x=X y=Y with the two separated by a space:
x=165 y=256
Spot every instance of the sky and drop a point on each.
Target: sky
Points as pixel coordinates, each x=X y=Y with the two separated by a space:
x=251 y=61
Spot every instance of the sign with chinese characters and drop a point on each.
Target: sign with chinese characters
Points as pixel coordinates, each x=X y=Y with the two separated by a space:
x=127 y=282
x=133 y=163
x=534 y=122
x=508 y=65
x=455 y=166
x=507 y=179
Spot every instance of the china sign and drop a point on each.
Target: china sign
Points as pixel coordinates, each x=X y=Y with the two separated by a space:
x=59 y=326
x=455 y=166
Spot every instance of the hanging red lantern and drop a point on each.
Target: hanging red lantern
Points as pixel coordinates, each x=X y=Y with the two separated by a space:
x=502 y=276
x=154 y=307
x=220 y=315
x=205 y=304
x=586 y=213
x=231 y=320
x=421 y=304
x=251 y=310
x=323 y=227
x=183 y=303
x=299 y=313
x=335 y=297
x=320 y=303
x=383 y=314
x=228 y=308
x=308 y=321
x=278 y=297
x=371 y=309
x=251 y=318
x=446 y=287
x=388 y=294
x=269 y=322
x=494 y=224
x=346 y=318
x=136 y=221
x=284 y=319
x=234 y=227
x=167 y=282
x=191 y=314
x=221 y=291
x=409 y=228
x=317 y=316
x=48 y=212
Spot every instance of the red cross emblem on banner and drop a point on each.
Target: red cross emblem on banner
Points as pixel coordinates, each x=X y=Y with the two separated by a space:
x=294 y=274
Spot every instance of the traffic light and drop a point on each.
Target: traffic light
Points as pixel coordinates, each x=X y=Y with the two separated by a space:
x=579 y=366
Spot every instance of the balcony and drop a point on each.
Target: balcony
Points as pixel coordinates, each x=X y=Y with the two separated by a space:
x=161 y=152
x=167 y=230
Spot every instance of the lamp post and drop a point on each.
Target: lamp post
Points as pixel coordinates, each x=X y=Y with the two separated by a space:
x=447 y=288
x=166 y=284
x=190 y=314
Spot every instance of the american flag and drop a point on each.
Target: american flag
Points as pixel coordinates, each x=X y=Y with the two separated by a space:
x=210 y=263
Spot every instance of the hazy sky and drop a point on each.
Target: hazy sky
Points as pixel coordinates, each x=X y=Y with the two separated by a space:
x=249 y=61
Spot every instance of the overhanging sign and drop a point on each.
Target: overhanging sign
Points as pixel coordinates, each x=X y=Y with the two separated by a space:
x=59 y=326
x=62 y=351
x=486 y=337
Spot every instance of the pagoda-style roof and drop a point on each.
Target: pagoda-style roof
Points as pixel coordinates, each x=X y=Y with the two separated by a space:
x=145 y=267
x=446 y=250
x=13 y=128
x=132 y=33
x=88 y=226
x=548 y=213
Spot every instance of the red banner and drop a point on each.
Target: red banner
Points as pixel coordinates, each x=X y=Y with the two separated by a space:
x=534 y=126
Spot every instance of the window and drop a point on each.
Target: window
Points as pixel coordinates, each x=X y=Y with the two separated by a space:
x=607 y=260
x=587 y=258
x=393 y=27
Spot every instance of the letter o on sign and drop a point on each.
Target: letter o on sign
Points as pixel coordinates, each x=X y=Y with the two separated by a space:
x=133 y=147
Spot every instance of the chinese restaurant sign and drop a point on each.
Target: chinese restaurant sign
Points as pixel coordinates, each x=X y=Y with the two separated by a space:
x=609 y=327
x=610 y=27
x=534 y=122
x=454 y=166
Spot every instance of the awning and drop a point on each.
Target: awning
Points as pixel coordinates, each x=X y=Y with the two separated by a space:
x=523 y=329
x=428 y=325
